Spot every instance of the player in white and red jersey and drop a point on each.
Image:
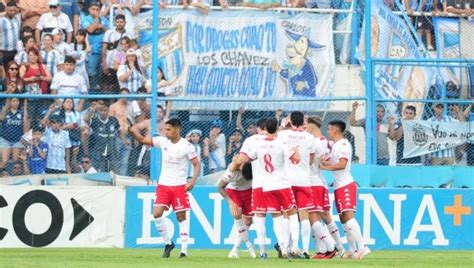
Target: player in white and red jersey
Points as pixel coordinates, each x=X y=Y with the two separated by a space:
x=173 y=186
x=271 y=153
x=236 y=188
x=299 y=177
x=345 y=193
x=325 y=236
x=258 y=201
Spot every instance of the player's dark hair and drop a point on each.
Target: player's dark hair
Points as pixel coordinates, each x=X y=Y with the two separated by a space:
x=160 y=107
x=124 y=89
x=11 y=3
x=297 y=118
x=262 y=123
x=339 y=124
x=316 y=120
x=247 y=171
x=120 y=17
x=174 y=122
x=412 y=108
x=69 y=59
x=272 y=125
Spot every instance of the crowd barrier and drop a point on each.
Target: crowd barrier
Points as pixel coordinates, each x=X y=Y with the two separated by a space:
x=395 y=219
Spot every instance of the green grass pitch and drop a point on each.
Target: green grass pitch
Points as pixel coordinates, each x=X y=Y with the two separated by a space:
x=131 y=258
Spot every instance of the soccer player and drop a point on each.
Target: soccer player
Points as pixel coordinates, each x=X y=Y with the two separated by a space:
x=279 y=199
x=319 y=188
x=236 y=188
x=299 y=178
x=258 y=203
x=345 y=188
x=172 y=188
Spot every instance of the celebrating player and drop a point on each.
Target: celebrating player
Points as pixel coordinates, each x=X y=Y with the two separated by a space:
x=258 y=204
x=271 y=154
x=345 y=188
x=319 y=188
x=298 y=175
x=236 y=188
x=173 y=187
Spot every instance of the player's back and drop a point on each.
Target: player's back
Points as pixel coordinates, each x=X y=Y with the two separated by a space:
x=298 y=174
x=271 y=154
x=249 y=143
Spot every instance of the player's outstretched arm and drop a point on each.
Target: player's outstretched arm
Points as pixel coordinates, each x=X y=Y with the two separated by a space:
x=135 y=133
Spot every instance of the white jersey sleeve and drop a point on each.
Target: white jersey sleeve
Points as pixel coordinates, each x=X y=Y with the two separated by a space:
x=342 y=149
x=235 y=180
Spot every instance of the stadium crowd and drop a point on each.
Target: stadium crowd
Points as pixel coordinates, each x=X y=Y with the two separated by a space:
x=70 y=48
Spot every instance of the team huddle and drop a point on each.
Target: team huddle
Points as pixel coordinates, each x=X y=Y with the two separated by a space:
x=278 y=171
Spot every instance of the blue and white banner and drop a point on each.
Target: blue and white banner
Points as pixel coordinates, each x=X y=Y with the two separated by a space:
x=391 y=38
x=424 y=137
x=389 y=218
x=248 y=54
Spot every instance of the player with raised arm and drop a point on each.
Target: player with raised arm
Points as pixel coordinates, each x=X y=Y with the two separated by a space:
x=299 y=178
x=345 y=193
x=258 y=204
x=271 y=153
x=236 y=188
x=172 y=187
x=325 y=236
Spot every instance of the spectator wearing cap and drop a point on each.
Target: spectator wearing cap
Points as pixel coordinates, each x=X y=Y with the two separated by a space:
x=52 y=20
x=9 y=35
x=58 y=144
x=130 y=75
x=95 y=26
x=235 y=143
x=110 y=43
x=214 y=147
x=69 y=83
x=194 y=137
x=71 y=9
x=31 y=11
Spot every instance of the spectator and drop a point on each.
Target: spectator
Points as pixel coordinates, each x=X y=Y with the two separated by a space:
x=9 y=35
x=87 y=116
x=12 y=82
x=423 y=24
x=382 y=132
x=104 y=131
x=80 y=51
x=138 y=52
x=143 y=105
x=194 y=137
x=37 y=152
x=29 y=43
x=82 y=11
x=86 y=165
x=52 y=20
x=69 y=83
x=24 y=32
x=126 y=112
x=52 y=58
x=95 y=27
x=59 y=144
x=130 y=75
x=202 y=5
x=59 y=44
x=72 y=125
x=459 y=7
x=395 y=132
x=447 y=156
x=14 y=123
x=31 y=11
x=119 y=55
x=165 y=3
x=19 y=168
x=71 y=9
x=3 y=172
x=235 y=143
x=251 y=128
x=214 y=147
x=109 y=44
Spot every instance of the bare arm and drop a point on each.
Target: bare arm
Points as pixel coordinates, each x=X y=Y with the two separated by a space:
x=26 y=119
x=135 y=133
x=196 y=171
x=325 y=165
x=239 y=117
x=68 y=160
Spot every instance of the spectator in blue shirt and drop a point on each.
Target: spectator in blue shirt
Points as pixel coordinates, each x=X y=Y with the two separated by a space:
x=96 y=27
x=59 y=144
x=37 y=152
